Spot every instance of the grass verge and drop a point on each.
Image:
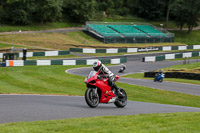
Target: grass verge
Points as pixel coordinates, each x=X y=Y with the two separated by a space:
x=54 y=80
x=184 y=37
x=190 y=68
x=167 y=122
x=8 y=46
x=34 y=27
x=187 y=59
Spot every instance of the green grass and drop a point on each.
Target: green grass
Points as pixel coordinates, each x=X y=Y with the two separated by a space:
x=184 y=37
x=35 y=27
x=8 y=46
x=83 y=38
x=187 y=59
x=190 y=66
x=40 y=80
x=143 y=123
x=54 y=80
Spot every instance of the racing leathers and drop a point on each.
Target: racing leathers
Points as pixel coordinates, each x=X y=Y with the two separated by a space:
x=111 y=81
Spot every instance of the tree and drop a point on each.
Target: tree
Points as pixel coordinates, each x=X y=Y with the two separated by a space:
x=150 y=9
x=47 y=10
x=15 y=12
x=180 y=13
x=193 y=12
x=187 y=12
x=168 y=4
x=79 y=10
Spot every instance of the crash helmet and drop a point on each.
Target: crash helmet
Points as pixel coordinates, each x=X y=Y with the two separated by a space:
x=97 y=65
x=161 y=71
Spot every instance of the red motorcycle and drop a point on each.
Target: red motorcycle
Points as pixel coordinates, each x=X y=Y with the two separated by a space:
x=98 y=91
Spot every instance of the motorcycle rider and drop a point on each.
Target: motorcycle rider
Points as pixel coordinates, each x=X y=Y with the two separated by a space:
x=161 y=72
x=123 y=67
x=98 y=66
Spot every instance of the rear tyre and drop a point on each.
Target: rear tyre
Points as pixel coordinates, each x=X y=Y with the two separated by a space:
x=91 y=99
x=121 y=101
x=154 y=79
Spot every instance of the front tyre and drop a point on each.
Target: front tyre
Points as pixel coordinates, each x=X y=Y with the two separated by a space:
x=91 y=99
x=121 y=101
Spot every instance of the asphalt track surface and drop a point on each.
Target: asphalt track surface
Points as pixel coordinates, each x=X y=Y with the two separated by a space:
x=14 y=108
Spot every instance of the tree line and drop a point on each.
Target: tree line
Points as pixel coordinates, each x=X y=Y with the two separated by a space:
x=23 y=12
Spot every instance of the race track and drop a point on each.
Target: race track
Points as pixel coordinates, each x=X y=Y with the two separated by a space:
x=14 y=108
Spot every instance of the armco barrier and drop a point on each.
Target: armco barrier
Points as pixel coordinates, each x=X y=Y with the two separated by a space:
x=64 y=62
x=131 y=50
x=181 y=75
x=46 y=53
x=109 y=50
x=170 y=56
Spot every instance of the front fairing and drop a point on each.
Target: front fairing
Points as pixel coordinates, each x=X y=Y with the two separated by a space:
x=91 y=76
x=95 y=80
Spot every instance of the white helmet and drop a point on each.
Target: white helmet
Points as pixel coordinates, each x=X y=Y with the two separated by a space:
x=97 y=65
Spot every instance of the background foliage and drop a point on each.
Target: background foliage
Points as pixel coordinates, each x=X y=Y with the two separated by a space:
x=24 y=12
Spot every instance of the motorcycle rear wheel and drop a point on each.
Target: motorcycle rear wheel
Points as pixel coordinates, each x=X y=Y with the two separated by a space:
x=90 y=99
x=121 y=102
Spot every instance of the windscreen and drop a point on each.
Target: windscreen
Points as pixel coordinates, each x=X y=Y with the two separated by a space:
x=92 y=73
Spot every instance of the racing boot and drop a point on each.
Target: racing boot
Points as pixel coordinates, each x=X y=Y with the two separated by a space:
x=117 y=89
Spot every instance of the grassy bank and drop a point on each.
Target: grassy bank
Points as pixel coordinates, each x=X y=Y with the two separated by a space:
x=34 y=27
x=172 y=122
x=63 y=41
x=54 y=80
x=8 y=46
x=190 y=68
x=184 y=37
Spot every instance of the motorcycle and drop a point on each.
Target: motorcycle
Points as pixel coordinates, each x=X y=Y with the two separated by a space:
x=121 y=70
x=99 y=91
x=159 y=77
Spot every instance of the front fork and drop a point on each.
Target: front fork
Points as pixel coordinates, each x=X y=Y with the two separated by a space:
x=94 y=92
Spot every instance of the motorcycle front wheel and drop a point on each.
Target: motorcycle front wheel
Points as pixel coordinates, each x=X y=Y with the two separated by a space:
x=121 y=101
x=91 y=99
